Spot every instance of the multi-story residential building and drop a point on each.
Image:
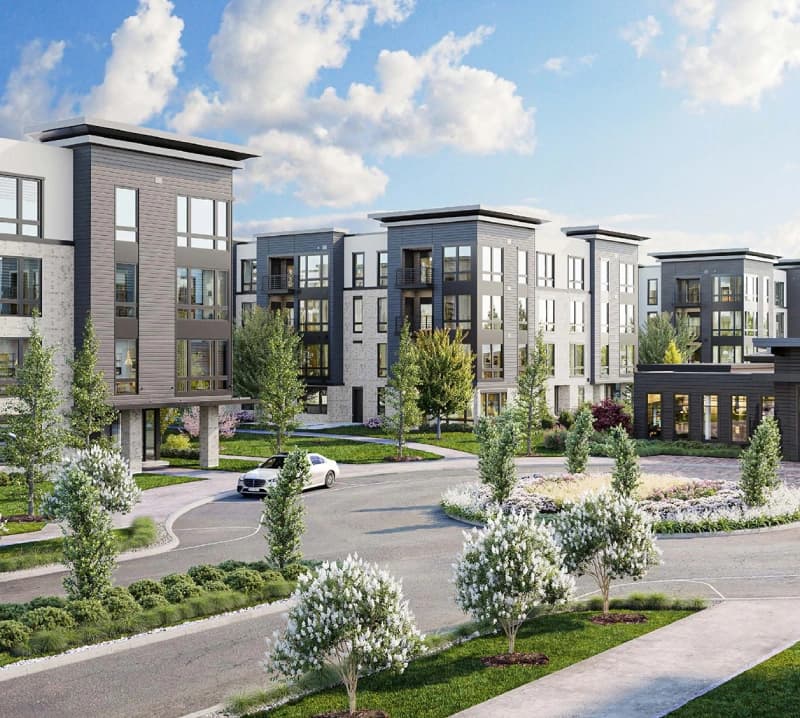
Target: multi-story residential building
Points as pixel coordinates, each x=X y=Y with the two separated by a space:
x=497 y=276
x=245 y=271
x=132 y=226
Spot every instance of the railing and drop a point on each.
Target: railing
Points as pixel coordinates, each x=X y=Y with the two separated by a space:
x=415 y=324
x=728 y=297
x=414 y=277
x=277 y=283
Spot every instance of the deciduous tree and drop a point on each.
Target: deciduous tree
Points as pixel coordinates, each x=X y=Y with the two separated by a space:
x=760 y=462
x=531 y=400
x=402 y=392
x=284 y=514
x=656 y=334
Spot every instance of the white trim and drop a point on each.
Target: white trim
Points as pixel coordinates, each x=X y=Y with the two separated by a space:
x=712 y=257
x=293 y=232
x=453 y=219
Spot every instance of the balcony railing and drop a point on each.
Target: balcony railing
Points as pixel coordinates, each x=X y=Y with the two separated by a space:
x=414 y=277
x=687 y=297
x=415 y=324
x=279 y=283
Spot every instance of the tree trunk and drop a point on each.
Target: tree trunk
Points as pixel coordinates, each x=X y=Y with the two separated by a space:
x=438 y=427
x=351 y=695
x=606 y=589
x=530 y=428
x=31 y=490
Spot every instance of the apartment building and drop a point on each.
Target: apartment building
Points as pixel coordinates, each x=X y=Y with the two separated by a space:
x=497 y=276
x=132 y=226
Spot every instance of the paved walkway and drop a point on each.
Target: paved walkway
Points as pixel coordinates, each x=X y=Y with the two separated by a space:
x=655 y=674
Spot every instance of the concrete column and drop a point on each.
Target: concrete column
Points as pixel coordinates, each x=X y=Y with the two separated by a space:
x=131 y=439
x=209 y=436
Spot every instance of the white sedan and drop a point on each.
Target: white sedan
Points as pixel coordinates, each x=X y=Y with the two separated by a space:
x=324 y=472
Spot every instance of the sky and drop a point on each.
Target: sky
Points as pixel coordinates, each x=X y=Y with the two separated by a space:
x=675 y=119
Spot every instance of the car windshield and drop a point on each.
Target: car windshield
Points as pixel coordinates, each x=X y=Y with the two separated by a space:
x=273 y=462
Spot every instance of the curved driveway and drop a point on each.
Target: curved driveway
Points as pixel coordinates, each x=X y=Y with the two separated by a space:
x=393 y=519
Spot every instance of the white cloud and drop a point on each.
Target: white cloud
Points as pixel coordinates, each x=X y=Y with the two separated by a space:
x=695 y=14
x=641 y=33
x=140 y=73
x=28 y=96
x=555 y=64
x=567 y=65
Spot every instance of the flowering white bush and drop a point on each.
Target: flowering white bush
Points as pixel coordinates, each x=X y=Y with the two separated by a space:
x=607 y=536
x=228 y=422
x=351 y=615
x=507 y=569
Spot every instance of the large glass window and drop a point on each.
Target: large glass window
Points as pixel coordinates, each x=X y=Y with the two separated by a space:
x=780 y=294
x=492 y=312
x=125 y=214
x=126 y=367
x=12 y=352
x=492 y=264
x=576 y=359
x=316 y=401
x=522 y=314
x=201 y=365
x=726 y=324
x=726 y=354
x=202 y=223
x=654 y=416
x=751 y=288
x=358 y=315
x=576 y=316
x=545 y=269
x=550 y=353
x=20 y=206
x=727 y=288
x=383 y=360
x=751 y=324
x=458 y=311
x=20 y=286
x=358 y=269
x=575 y=272
x=780 y=324
x=547 y=315
x=522 y=266
x=313 y=315
x=314 y=270
x=201 y=293
x=457 y=263
x=491 y=361
x=652 y=292
x=767 y=407
x=315 y=360
x=125 y=290
x=492 y=402
x=739 y=418
x=604 y=360
x=681 y=416
x=626 y=277
x=627 y=318
x=605 y=318
x=383 y=269
x=627 y=359
x=383 y=314
x=710 y=417
x=605 y=275
x=687 y=291
x=249 y=275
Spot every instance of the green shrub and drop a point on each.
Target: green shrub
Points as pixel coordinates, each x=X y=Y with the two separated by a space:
x=244 y=579
x=145 y=587
x=177 y=442
x=271 y=575
x=231 y=565
x=566 y=418
x=47 y=618
x=294 y=570
x=204 y=574
x=548 y=421
x=93 y=633
x=168 y=614
x=153 y=600
x=88 y=610
x=223 y=601
x=55 y=640
x=13 y=633
x=43 y=601
x=555 y=440
x=260 y=566
x=180 y=453
x=625 y=478
x=178 y=587
x=577 y=442
x=120 y=604
x=216 y=586
x=276 y=589
x=12 y=611
x=760 y=463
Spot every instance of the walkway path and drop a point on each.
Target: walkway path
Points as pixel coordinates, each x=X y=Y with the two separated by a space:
x=650 y=676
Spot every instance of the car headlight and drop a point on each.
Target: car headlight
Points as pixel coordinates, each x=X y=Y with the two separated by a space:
x=241 y=479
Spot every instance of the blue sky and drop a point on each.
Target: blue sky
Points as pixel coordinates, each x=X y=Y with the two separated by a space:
x=673 y=118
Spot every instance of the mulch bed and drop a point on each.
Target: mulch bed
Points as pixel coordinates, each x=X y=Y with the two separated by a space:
x=365 y=713
x=395 y=459
x=24 y=518
x=611 y=618
x=515 y=659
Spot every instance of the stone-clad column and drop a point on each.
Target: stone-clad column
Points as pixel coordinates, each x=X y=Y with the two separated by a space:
x=209 y=436
x=131 y=438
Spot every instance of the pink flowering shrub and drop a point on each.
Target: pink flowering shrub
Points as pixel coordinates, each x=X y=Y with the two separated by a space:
x=228 y=422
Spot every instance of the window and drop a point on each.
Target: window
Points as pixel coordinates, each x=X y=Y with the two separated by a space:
x=550 y=353
x=125 y=290
x=20 y=206
x=576 y=317
x=381 y=401
x=125 y=367
x=358 y=315
x=766 y=323
x=727 y=289
x=726 y=324
x=491 y=361
x=249 y=275
x=20 y=286
x=780 y=294
x=654 y=416
x=605 y=320
x=316 y=401
x=383 y=269
x=576 y=355
x=627 y=319
x=767 y=296
x=12 y=352
x=314 y=270
x=604 y=360
x=681 y=415
x=457 y=311
x=492 y=403
x=492 y=264
x=575 y=272
x=522 y=356
x=247 y=308
x=750 y=288
x=522 y=267
x=726 y=354
x=202 y=223
x=751 y=324
x=457 y=263
x=492 y=312
x=652 y=292
x=627 y=359
x=547 y=315
x=522 y=313
x=358 y=269
x=201 y=293
x=383 y=314
x=710 y=417
x=383 y=360
x=201 y=365
x=739 y=419
x=780 y=324
x=605 y=275
x=315 y=360
x=767 y=406
x=125 y=214
x=545 y=270
x=687 y=291
x=626 y=277
x=313 y=315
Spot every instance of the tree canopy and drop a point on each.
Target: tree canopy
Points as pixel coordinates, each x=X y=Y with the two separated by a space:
x=656 y=334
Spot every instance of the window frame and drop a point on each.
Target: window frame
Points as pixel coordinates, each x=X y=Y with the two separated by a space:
x=125 y=305
x=383 y=278
x=188 y=311
x=218 y=242
x=652 y=292
x=382 y=320
x=458 y=275
x=547 y=322
x=8 y=382
x=218 y=382
x=575 y=349
x=358 y=267
x=119 y=383
x=18 y=220
x=573 y=280
x=492 y=371
x=308 y=327
x=251 y=286
x=25 y=307
x=457 y=321
x=382 y=351
x=358 y=315
x=545 y=269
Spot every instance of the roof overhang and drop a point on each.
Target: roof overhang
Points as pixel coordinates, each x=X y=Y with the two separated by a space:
x=462 y=213
x=593 y=231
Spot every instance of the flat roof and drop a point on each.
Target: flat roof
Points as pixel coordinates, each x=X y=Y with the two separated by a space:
x=475 y=211
x=292 y=232
x=777 y=342
x=788 y=263
x=602 y=231
x=78 y=127
x=709 y=253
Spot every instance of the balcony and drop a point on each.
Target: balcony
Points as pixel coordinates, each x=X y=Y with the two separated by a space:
x=278 y=283
x=415 y=324
x=687 y=297
x=412 y=277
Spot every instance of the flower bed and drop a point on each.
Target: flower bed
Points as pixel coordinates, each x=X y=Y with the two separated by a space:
x=678 y=505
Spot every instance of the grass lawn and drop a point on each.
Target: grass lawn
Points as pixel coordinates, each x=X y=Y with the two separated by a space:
x=142 y=532
x=440 y=685
x=770 y=689
x=237 y=465
x=342 y=450
x=148 y=480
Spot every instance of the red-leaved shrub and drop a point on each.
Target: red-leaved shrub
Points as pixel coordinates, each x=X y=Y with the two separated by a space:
x=608 y=414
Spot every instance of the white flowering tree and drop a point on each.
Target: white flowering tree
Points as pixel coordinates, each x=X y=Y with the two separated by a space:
x=507 y=569
x=607 y=536
x=351 y=615
x=89 y=489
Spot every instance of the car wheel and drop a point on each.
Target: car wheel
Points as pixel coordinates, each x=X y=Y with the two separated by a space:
x=330 y=479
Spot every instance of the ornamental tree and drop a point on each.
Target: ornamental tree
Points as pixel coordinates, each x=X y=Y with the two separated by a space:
x=531 y=400
x=351 y=615
x=498 y=439
x=228 y=422
x=507 y=569
x=607 y=536
x=283 y=518
x=402 y=393
x=577 y=443
x=760 y=462
x=672 y=355
x=657 y=332
x=625 y=478
x=89 y=488
x=609 y=413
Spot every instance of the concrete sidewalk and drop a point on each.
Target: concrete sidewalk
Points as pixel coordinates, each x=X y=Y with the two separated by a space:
x=650 y=676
